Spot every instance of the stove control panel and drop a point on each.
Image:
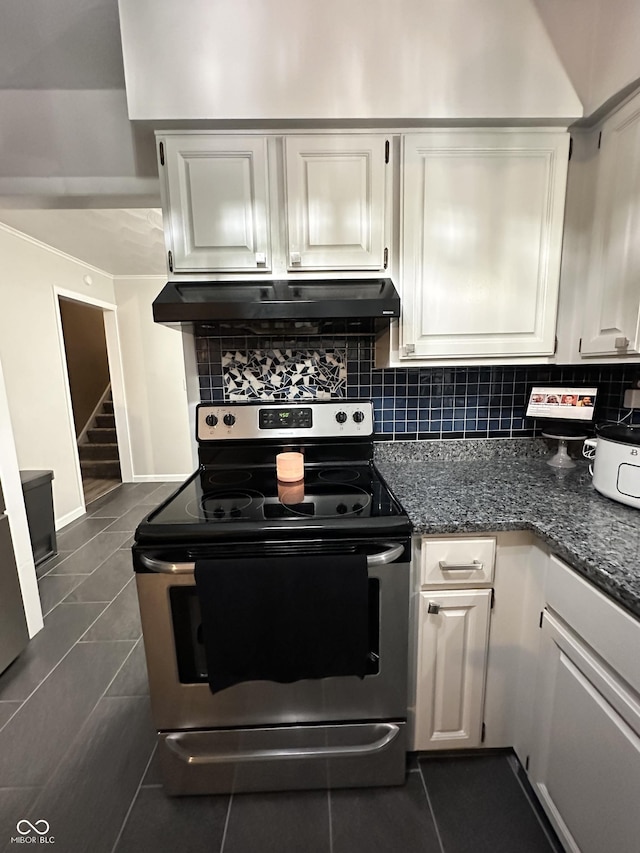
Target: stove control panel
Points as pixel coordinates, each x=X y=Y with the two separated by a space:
x=330 y=419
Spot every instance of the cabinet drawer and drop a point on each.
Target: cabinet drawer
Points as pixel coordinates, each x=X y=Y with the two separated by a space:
x=457 y=562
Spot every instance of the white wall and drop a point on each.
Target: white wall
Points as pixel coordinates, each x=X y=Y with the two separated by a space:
x=155 y=385
x=361 y=59
x=598 y=42
x=32 y=359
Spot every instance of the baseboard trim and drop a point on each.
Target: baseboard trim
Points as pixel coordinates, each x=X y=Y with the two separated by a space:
x=69 y=517
x=159 y=478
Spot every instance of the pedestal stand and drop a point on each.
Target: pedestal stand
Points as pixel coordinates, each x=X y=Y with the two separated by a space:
x=561 y=459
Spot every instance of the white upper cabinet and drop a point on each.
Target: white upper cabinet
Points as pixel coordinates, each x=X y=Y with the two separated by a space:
x=612 y=307
x=216 y=198
x=481 y=242
x=335 y=201
x=274 y=203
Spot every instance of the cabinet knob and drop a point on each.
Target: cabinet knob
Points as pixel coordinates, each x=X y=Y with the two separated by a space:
x=433 y=607
x=295 y=258
x=621 y=343
x=261 y=259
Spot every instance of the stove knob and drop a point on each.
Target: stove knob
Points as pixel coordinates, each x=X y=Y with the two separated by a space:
x=211 y=420
x=358 y=417
x=236 y=512
x=229 y=419
x=219 y=512
x=341 y=417
x=341 y=509
x=357 y=507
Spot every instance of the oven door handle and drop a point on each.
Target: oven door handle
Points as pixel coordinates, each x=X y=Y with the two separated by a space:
x=178 y=743
x=391 y=552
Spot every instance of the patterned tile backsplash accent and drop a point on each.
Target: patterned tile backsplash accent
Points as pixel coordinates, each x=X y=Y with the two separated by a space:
x=281 y=373
x=409 y=402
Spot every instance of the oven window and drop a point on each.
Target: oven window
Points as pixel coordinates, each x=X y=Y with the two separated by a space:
x=187 y=632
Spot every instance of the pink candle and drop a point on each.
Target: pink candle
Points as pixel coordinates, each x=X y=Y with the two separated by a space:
x=290 y=467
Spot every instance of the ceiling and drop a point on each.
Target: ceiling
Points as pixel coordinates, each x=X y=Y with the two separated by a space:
x=75 y=45
x=119 y=242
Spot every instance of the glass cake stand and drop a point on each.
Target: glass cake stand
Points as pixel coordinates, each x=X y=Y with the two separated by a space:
x=561 y=458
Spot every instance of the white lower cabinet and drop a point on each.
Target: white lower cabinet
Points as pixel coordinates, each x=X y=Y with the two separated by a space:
x=584 y=761
x=585 y=764
x=452 y=655
x=552 y=670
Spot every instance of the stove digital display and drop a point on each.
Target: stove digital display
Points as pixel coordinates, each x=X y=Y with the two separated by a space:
x=285 y=418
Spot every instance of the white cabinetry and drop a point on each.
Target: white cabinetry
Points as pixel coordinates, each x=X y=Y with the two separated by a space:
x=585 y=762
x=274 y=203
x=481 y=242
x=216 y=202
x=453 y=630
x=335 y=201
x=612 y=307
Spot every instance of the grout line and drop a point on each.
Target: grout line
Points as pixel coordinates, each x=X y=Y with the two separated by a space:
x=64 y=656
x=73 y=553
x=433 y=814
x=226 y=824
x=50 y=570
x=91 y=538
x=133 y=800
x=108 y=601
x=80 y=602
x=330 y=820
x=19 y=703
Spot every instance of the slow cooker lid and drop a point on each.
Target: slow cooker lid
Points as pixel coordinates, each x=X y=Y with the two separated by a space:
x=620 y=433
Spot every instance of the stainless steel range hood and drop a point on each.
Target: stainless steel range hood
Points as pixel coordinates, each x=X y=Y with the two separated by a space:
x=356 y=306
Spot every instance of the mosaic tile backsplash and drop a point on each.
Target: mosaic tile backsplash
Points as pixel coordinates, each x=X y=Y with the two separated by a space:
x=410 y=402
x=281 y=373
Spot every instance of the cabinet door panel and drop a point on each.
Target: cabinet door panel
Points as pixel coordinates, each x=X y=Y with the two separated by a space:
x=217 y=187
x=586 y=760
x=612 y=309
x=335 y=199
x=482 y=236
x=452 y=654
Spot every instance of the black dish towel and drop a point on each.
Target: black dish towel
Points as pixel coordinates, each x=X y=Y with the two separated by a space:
x=283 y=619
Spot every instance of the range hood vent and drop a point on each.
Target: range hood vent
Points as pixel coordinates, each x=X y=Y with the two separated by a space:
x=312 y=307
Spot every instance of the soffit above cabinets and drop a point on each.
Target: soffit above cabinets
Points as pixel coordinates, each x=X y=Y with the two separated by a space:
x=119 y=242
x=300 y=59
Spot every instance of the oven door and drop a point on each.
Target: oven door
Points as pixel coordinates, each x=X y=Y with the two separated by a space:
x=180 y=694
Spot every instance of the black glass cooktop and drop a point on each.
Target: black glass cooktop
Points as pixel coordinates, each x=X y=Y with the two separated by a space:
x=233 y=496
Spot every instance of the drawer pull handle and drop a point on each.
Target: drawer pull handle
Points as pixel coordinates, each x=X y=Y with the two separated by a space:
x=179 y=744
x=475 y=566
x=433 y=607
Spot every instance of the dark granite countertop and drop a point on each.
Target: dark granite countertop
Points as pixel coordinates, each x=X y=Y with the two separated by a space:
x=596 y=536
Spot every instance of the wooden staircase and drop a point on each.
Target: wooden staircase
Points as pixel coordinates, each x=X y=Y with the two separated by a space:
x=98 y=447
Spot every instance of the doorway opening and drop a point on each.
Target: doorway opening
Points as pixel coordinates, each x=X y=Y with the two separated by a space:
x=83 y=333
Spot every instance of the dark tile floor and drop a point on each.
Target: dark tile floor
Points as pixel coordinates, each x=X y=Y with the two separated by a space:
x=77 y=742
